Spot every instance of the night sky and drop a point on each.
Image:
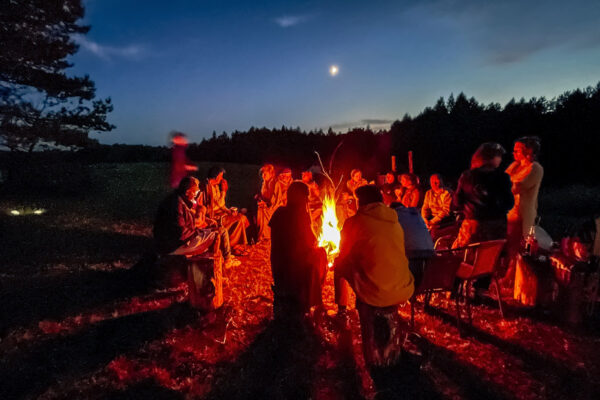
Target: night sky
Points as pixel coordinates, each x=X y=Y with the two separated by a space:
x=204 y=66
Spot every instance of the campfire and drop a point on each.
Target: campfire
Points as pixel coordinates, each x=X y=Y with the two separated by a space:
x=329 y=238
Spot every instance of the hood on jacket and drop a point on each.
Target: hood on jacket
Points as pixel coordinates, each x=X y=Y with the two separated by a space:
x=379 y=211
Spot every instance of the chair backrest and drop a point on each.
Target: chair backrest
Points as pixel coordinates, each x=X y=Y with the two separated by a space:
x=486 y=257
x=440 y=273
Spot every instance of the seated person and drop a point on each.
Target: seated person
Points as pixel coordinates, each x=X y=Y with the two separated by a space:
x=214 y=193
x=417 y=240
x=436 y=206
x=356 y=180
x=373 y=261
x=297 y=264
x=265 y=201
x=315 y=203
x=175 y=228
x=410 y=193
x=388 y=188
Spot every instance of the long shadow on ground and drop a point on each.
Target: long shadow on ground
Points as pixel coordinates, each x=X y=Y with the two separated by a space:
x=560 y=380
x=277 y=365
x=29 y=373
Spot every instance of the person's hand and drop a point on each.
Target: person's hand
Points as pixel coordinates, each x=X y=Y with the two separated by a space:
x=262 y=204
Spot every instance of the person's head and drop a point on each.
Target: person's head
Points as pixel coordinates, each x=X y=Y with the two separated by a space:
x=267 y=171
x=368 y=194
x=189 y=188
x=179 y=139
x=307 y=176
x=526 y=148
x=285 y=175
x=488 y=154
x=297 y=194
x=356 y=175
x=215 y=174
x=408 y=180
x=390 y=178
x=435 y=181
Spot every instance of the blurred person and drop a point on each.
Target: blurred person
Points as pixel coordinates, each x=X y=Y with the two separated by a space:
x=411 y=194
x=214 y=195
x=180 y=165
x=436 y=206
x=373 y=262
x=266 y=201
x=526 y=176
x=484 y=197
x=298 y=265
x=180 y=227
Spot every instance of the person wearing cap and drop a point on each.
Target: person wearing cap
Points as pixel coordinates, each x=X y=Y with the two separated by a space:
x=373 y=261
x=298 y=265
x=176 y=228
x=214 y=194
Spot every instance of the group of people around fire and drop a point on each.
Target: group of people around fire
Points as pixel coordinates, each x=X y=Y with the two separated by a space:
x=386 y=230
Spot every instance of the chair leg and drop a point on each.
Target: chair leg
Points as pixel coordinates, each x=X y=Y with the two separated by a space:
x=495 y=279
x=468 y=301
x=458 y=317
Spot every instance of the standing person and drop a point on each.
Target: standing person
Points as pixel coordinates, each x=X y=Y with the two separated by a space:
x=373 y=261
x=215 y=192
x=284 y=180
x=177 y=230
x=297 y=264
x=266 y=201
x=484 y=196
x=436 y=206
x=180 y=165
x=526 y=176
x=411 y=194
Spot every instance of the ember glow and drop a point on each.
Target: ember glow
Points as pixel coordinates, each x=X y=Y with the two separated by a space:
x=329 y=238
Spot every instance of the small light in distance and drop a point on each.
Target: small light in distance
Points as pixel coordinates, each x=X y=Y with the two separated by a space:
x=334 y=70
x=15 y=212
x=38 y=212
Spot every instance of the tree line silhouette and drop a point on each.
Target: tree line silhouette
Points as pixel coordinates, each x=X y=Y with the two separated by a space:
x=442 y=137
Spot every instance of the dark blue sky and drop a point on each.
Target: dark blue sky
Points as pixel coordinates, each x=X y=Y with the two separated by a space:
x=222 y=65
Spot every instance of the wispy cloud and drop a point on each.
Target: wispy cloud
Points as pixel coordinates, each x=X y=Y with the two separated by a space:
x=109 y=52
x=373 y=123
x=511 y=31
x=287 y=21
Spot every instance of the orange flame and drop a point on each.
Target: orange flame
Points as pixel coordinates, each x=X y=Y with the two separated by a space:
x=329 y=238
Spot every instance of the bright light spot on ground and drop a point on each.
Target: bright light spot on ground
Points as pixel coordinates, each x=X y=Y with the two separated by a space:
x=333 y=70
x=15 y=212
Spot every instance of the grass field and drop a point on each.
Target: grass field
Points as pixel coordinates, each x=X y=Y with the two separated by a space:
x=72 y=326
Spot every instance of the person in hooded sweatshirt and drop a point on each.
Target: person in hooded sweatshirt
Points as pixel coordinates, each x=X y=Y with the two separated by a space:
x=373 y=261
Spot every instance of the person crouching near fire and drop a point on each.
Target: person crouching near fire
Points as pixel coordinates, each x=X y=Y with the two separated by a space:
x=180 y=227
x=298 y=265
x=373 y=261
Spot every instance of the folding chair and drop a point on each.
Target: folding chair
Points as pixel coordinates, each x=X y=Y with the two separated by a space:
x=484 y=258
x=438 y=276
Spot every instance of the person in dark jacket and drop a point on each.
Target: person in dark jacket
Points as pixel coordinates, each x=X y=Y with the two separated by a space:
x=180 y=227
x=484 y=197
x=297 y=264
